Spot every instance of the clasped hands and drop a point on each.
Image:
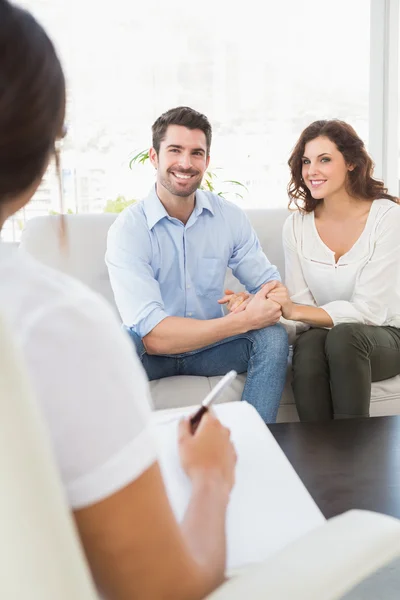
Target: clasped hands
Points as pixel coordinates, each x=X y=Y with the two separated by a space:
x=273 y=290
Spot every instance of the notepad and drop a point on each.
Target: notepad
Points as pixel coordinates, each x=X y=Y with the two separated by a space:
x=269 y=505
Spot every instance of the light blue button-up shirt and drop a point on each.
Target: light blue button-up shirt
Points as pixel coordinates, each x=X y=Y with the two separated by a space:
x=160 y=267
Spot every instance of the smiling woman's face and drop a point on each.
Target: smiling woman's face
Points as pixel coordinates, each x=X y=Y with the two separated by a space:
x=324 y=169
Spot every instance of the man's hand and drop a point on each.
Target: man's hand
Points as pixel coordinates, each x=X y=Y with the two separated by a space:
x=208 y=454
x=262 y=311
x=279 y=293
x=235 y=302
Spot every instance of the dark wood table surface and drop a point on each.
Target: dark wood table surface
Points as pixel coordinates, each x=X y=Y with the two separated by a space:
x=346 y=464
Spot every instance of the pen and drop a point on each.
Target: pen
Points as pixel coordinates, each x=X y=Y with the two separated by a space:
x=209 y=399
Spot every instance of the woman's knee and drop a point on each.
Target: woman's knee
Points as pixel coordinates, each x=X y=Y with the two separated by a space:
x=309 y=352
x=310 y=345
x=342 y=340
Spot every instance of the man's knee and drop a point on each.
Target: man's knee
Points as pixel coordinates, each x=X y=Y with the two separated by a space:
x=343 y=339
x=272 y=338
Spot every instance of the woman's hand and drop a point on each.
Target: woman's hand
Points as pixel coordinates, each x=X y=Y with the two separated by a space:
x=279 y=293
x=235 y=302
x=208 y=455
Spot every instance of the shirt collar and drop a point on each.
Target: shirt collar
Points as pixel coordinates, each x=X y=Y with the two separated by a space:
x=155 y=211
x=203 y=202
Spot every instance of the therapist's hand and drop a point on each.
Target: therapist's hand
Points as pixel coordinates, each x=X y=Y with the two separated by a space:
x=208 y=455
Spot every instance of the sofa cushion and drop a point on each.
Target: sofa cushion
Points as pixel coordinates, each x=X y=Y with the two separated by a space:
x=188 y=390
x=173 y=392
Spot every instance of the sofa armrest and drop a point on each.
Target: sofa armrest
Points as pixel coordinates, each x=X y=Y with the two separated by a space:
x=322 y=565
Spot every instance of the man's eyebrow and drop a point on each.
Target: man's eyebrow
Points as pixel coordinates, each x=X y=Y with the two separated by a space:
x=181 y=148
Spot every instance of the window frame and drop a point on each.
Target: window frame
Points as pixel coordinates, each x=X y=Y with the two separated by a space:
x=384 y=94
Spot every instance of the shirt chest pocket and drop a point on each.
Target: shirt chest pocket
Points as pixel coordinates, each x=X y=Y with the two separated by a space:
x=209 y=276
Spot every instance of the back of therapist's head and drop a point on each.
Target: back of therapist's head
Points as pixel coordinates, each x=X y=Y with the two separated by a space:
x=32 y=101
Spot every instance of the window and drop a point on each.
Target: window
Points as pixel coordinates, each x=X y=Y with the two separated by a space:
x=261 y=73
x=398 y=105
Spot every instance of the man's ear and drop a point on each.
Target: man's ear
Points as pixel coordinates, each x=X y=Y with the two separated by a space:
x=153 y=157
x=208 y=161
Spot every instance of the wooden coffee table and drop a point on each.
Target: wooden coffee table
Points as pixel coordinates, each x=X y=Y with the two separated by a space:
x=346 y=464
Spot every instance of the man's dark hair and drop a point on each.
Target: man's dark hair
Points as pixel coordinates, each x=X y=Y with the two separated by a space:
x=184 y=116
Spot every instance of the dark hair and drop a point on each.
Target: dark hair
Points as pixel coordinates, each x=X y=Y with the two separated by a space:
x=359 y=181
x=32 y=100
x=185 y=116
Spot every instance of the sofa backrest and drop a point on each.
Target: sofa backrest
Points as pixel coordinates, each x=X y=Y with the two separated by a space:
x=83 y=255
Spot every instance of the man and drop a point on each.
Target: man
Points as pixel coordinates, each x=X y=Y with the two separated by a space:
x=167 y=257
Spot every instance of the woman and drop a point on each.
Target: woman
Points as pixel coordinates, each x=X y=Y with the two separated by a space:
x=87 y=379
x=342 y=255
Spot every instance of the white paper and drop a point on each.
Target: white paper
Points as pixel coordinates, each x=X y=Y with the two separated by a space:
x=269 y=505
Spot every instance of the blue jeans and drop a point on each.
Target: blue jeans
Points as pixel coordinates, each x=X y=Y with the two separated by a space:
x=262 y=353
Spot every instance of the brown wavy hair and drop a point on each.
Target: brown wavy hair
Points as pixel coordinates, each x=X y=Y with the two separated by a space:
x=359 y=181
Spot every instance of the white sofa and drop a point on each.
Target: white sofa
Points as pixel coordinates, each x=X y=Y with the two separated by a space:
x=84 y=259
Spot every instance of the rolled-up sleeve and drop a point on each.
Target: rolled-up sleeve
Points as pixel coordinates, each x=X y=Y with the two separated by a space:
x=248 y=261
x=128 y=258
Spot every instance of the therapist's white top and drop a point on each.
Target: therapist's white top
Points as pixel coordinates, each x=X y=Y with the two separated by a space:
x=363 y=286
x=87 y=378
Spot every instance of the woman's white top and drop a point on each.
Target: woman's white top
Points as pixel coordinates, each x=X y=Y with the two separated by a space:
x=87 y=378
x=363 y=286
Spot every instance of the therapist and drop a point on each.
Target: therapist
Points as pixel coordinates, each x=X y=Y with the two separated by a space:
x=88 y=381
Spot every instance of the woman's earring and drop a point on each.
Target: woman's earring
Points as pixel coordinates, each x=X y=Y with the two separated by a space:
x=63 y=228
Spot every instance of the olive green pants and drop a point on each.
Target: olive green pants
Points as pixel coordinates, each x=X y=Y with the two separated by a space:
x=333 y=369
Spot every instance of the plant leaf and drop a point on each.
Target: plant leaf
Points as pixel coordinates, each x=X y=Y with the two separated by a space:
x=140 y=158
x=234 y=182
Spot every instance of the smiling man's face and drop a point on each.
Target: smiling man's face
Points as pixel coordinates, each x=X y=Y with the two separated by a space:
x=181 y=161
